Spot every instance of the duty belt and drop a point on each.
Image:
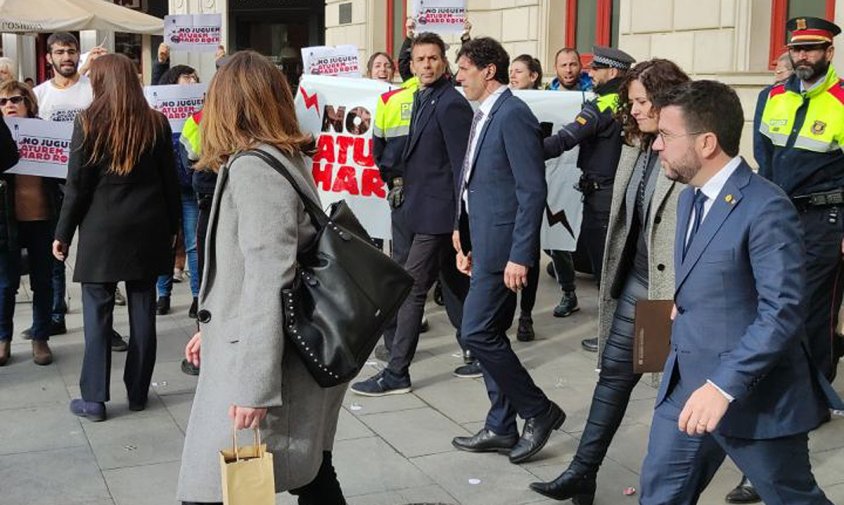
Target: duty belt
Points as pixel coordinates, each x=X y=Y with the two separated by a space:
x=825 y=199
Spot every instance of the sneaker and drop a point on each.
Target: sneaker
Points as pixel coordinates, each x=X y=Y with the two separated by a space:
x=194 y=306
x=119 y=299
x=94 y=411
x=162 y=306
x=117 y=342
x=381 y=384
x=438 y=294
x=178 y=275
x=381 y=353
x=470 y=371
x=189 y=368
x=525 y=332
x=567 y=305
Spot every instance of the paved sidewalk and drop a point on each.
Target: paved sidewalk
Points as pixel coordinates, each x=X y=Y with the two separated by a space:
x=393 y=450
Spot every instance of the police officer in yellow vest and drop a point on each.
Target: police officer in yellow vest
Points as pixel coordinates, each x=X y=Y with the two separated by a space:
x=803 y=129
x=598 y=134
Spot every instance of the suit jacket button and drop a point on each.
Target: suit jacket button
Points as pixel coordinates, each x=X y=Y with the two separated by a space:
x=660 y=267
x=657 y=219
x=203 y=316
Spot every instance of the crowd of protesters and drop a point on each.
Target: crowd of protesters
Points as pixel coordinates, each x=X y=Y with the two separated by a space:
x=466 y=188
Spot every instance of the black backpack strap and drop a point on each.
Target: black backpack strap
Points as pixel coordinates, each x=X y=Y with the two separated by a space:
x=319 y=217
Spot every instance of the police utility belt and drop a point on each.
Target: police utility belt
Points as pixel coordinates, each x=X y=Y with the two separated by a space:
x=587 y=186
x=824 y=199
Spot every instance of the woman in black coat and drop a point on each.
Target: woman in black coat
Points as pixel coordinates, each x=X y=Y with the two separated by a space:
x=123 y=195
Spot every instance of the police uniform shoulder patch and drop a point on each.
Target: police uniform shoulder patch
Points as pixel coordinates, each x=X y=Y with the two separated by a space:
x=818 y=128
x=580 y=120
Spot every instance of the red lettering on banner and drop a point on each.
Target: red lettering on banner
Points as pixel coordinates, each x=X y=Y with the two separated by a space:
x=325 y=149
x=363 y=158
x=371 y=183
x=343 y=145
x=346 y=181
x=322 y=174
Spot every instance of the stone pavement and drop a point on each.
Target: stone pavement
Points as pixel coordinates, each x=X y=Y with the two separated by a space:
x=393 y=450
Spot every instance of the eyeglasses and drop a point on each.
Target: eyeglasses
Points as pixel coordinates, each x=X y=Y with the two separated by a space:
x=14 y=99
x=665 y=137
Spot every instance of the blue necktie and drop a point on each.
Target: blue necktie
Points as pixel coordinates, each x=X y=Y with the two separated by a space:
x=700 y=199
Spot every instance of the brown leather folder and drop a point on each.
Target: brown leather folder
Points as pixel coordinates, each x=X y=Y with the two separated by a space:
x=652 y=335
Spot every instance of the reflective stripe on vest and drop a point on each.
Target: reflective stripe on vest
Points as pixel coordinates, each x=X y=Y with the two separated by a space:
x=608 y=101
x=822 y=129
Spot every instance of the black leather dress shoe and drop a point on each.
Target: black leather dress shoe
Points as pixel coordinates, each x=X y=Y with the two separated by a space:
x=578 y=487
x=743 y=493
x=486 y=441
x=589 y=344
x=536 y=433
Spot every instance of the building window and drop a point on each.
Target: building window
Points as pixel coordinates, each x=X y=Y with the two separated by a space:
x=590 y=23
x=783 y=10
x=396 y=31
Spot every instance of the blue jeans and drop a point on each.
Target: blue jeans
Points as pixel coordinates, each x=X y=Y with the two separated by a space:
x=37 y=238
x=190 y=212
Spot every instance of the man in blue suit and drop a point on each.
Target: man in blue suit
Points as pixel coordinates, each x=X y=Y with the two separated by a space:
x=500 y=203
x=738 y=380
x=424 y=203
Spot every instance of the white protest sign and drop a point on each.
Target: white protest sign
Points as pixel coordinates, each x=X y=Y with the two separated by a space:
x=439 y=16
x=44 y=146
x=339 y=112
x=340 y=61
x=177 y=102
x=193 y=32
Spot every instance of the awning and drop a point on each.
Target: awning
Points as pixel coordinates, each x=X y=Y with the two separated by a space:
x=40 y=16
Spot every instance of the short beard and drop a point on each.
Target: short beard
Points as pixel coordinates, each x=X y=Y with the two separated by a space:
x=58 y=70
x=686 y=169
x=813 y=72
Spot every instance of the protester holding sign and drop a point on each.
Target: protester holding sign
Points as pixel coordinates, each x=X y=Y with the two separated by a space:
x=381 y=67
x=29 y=207
x=123 y=195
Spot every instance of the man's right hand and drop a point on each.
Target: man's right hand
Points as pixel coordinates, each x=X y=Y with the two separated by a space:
x=163 y=53
x=396 y=195
x=464 y=263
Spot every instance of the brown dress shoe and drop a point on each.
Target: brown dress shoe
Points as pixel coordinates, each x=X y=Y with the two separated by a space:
x=5 y=351
x=41 y=353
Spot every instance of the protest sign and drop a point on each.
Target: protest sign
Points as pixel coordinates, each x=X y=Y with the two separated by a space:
x=193 y=32
x=177 y=102
x=44 y=146
x=439 y=16
x=339 y=113
x=340 y=61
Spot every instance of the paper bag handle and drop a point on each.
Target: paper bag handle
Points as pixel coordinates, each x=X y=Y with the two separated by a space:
x=257 y=434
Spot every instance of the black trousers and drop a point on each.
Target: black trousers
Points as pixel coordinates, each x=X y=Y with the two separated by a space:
x=97 y=317
x=204 y=202
x=323 y=490
x=596 y=219
x=823 y=230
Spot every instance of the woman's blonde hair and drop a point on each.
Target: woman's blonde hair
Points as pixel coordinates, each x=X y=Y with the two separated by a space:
x=12 y=87
x=248 y=103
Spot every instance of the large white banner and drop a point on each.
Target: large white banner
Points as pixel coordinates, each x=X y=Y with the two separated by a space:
x=339 y=61
x=177 y=102
x=44 y=146
x=193 y=32
x=439 y=16
x=339 y=113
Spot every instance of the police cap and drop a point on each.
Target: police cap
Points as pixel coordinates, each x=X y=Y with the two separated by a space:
x=609 y=57
x=811 y=31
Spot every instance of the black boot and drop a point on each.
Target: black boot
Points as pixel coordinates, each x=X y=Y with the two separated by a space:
x=571 y=484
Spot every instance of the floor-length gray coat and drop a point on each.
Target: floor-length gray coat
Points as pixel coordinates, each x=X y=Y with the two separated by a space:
x=257 y=226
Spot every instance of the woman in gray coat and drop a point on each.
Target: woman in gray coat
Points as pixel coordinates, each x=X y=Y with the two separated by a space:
x=250 y=376
x=638 y=265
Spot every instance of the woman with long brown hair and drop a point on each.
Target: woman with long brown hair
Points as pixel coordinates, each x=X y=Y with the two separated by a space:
x=123 y=195
x=258 y=224
x=638 y=265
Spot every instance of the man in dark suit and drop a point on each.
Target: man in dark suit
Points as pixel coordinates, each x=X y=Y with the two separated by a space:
x=738 y=380
x=432 y=158
x=500 y=203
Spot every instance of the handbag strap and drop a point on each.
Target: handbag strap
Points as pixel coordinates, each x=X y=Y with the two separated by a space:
x=318 y=216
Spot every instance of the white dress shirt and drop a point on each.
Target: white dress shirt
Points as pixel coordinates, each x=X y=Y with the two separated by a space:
x=485 y=107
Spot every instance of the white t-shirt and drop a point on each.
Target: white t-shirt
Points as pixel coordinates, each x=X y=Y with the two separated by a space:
x=63 y=105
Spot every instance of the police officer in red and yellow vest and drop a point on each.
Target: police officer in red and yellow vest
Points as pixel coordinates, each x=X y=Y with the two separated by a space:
x=803 y=129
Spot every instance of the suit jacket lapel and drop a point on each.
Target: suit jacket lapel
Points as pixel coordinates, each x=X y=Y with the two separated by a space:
x=424 y=116
x=498 y=103
x=718 y=213
x=684 y=212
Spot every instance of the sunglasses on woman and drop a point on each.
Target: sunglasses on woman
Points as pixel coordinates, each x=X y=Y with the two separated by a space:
x=14 y=99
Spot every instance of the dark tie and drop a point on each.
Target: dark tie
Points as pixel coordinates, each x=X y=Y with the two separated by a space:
x=464 y=175
x=700 y=199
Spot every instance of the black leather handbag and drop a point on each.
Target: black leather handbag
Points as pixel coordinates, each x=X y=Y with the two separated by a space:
x=344 y=293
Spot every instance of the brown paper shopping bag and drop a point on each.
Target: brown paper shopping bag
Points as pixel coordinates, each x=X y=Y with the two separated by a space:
x=247 y=473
